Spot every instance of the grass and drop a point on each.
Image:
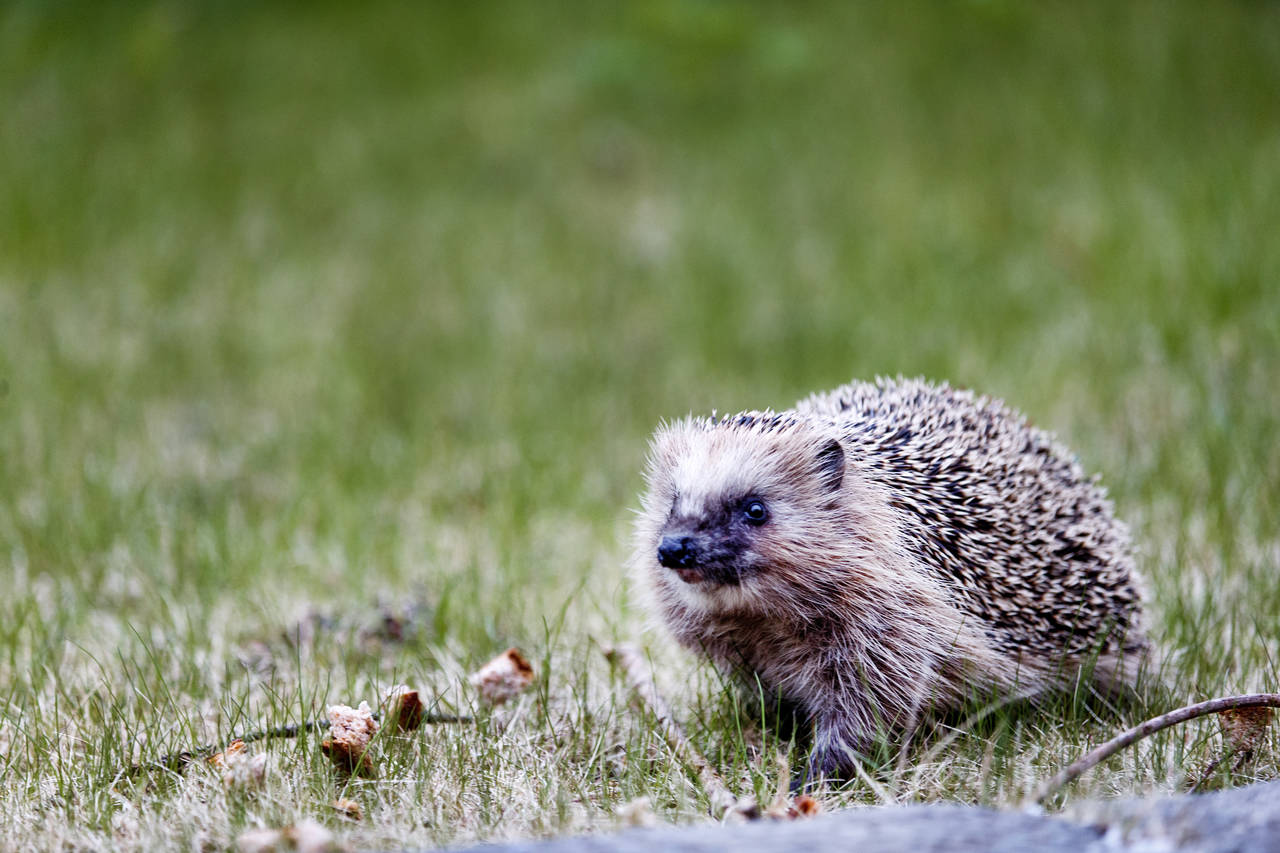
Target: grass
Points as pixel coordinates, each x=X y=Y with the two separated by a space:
x=310 y=315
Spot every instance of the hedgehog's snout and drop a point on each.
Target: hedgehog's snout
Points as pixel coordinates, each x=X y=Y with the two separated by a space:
x=678 y=552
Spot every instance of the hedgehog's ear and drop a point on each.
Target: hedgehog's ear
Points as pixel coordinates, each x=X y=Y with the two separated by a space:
x=831 y=465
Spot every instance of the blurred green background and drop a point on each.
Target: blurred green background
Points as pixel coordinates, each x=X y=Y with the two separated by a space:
x=308 y=302
x=279 y=269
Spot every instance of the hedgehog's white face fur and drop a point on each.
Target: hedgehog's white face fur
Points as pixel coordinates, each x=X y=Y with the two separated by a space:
x=728 y=502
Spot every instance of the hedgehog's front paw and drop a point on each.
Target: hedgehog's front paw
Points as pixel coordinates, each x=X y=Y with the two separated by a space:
x=811 y=776
x=830 y=761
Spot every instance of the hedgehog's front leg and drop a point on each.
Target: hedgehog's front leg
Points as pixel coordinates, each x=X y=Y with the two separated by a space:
x=840 y=742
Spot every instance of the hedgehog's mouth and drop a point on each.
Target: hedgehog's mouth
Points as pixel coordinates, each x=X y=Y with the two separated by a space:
x=690 y=576
x=707 y=575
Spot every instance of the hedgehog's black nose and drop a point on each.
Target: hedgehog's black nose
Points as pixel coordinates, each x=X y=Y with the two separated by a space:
x=677 y=552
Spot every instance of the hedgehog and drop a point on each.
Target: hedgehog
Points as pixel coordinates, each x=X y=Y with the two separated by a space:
x=887 y=551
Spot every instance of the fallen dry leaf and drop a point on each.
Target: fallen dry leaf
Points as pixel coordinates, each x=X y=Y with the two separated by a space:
x=504 y=677
x=1244 y=728
x=350 y=731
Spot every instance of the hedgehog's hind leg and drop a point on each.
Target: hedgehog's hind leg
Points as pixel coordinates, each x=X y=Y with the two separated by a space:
x=1122 y=674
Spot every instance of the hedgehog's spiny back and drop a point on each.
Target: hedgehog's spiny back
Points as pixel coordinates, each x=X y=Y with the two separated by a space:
x=1002 y=511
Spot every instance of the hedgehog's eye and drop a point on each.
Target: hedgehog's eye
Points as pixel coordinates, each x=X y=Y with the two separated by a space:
x=755 y=512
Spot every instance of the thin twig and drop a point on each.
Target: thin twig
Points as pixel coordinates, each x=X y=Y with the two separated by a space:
x=1155 y=724
x=178 y=760
x=628 y=659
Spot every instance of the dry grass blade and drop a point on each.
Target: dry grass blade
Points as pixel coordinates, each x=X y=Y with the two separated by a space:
x=784 y=806
x=628 y=659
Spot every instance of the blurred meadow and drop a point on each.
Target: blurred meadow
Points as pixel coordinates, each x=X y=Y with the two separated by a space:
x=331 y=337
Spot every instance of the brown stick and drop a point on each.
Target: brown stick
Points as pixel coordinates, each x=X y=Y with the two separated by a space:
x=178 y=760
x=1150 y=727
x=628 y=659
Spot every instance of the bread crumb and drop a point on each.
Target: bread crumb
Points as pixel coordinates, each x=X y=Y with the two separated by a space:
x=241 y=770
x=350 y=731
x=403 y=707
x=804 y=806
x=504 y=677
x=349 y=808
x=637 y=812
x=305 y=836
x=218 y=759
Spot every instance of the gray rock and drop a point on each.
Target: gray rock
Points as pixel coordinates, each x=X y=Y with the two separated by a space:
x=1243 y=820
x=1240 y=819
